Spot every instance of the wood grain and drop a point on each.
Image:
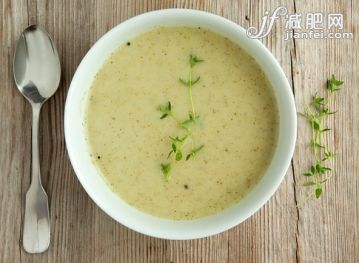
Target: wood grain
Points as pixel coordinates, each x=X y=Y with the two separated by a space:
x=328 y=229
x=325 y=230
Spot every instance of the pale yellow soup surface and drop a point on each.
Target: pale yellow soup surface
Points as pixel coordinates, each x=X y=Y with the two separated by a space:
x=128 y=141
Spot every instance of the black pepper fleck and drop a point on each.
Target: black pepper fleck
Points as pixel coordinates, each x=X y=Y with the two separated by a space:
x=128 y=43
x=99 y=157
x=185 y=186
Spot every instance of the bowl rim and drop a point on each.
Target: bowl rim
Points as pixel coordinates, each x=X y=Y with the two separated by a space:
x=260 y=200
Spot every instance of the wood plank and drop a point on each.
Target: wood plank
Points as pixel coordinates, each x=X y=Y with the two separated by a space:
x=328 y=227
x=15 y=130
x=269 y=235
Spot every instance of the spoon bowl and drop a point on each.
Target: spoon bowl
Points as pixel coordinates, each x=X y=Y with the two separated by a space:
x=37 y=68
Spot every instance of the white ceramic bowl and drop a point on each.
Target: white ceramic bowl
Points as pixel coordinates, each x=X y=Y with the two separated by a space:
x=92 y=181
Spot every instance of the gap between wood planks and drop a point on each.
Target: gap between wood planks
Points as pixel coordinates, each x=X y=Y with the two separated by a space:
x=293 y=56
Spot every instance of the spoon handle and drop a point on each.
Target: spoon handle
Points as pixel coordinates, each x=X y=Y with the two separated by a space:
x=36 y=229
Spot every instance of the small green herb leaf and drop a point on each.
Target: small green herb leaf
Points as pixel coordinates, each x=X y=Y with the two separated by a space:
x=195 y=81
x=194 y=152
x=178 y=156
x=166 y=168
x=328 y=155
x=318 y=192
x=317 y=145
x=193 y=60
x=174 y=147
x=309 y=183
x=189 y=83
x=334 y=84
x=316 y=125
x=190 y=120
x=165 y=109
x=319 y=169
x=184 y=82
x=326 y=129
x=322 y=182
x=317 y=101
x=312 y=169
x=178 y=139
x=169 y=154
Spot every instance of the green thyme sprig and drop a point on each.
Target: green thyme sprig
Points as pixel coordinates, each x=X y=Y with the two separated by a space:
x=316 y=113
x=178 y=142
x=190 y=82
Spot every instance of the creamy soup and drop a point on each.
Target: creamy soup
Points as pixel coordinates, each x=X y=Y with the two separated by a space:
x=236 y=122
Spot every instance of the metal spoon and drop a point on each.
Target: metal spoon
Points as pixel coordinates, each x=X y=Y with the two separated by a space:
x=37 y=75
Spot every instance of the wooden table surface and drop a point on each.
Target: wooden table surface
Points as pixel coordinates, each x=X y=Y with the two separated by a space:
x=324 y=230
